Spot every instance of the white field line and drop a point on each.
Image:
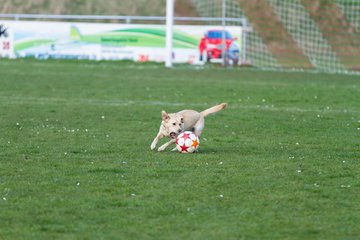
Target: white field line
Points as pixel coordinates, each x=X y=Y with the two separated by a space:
x=5 y=100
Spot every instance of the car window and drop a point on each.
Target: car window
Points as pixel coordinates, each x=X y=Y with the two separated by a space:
x=218 y=34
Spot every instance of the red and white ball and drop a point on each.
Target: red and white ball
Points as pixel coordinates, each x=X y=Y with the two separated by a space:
x=187 y=142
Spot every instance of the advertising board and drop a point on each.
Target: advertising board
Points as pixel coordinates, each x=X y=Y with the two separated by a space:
x=6 y=40
x=107 y=41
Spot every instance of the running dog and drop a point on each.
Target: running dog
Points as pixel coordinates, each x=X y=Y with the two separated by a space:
x=173 y=124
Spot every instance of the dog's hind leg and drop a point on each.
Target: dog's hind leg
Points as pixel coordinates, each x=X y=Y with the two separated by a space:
x=199 y=126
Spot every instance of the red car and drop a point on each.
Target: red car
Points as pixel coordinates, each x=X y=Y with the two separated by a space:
x=211 y=44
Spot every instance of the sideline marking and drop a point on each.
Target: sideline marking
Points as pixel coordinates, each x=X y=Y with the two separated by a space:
x=100 y=102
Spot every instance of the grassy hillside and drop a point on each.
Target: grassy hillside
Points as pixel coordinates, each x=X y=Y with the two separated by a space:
x=109 y=7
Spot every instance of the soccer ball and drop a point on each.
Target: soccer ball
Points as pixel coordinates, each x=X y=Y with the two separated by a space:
x=187 y=142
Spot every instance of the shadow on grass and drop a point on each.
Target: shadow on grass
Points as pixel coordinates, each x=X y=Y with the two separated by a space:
x=201 y=151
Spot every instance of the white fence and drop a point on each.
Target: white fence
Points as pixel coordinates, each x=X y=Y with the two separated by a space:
x=126 y=19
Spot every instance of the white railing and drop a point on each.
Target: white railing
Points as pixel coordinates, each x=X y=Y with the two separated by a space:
x=127 y=19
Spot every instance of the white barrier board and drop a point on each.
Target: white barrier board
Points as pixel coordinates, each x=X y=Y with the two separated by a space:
x=104 y=41
x=6 y=40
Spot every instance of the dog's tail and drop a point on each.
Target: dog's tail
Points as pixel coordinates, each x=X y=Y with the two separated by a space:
x=213 y=109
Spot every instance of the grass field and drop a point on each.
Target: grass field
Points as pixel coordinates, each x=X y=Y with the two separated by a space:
x=281 y=162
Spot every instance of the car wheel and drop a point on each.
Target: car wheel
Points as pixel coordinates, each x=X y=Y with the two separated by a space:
x=208 y=56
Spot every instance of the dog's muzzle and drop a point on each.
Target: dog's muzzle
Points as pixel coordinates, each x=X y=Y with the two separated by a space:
x=172 y=135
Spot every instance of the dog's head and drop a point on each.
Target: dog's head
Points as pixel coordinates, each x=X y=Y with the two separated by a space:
x=173 y=124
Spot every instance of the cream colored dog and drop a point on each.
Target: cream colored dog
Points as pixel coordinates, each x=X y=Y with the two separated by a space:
x=173 y=124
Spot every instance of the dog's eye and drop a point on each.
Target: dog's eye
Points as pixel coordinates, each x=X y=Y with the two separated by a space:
x=174 y=124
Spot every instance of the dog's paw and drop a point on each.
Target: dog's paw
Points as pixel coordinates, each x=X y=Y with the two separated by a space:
x=161 y=149
x=153 y=144
x=174 y=149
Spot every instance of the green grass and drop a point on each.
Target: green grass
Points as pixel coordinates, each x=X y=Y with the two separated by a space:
x=282 y=162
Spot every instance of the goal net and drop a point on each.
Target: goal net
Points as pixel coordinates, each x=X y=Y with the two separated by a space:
x=313 y=35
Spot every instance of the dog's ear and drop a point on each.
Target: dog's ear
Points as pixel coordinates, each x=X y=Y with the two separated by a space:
x=164 y=115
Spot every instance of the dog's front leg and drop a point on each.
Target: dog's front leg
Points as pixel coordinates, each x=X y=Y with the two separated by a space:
x=162 y=148
x=156 y=140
